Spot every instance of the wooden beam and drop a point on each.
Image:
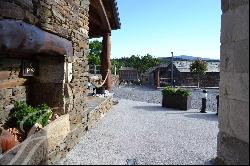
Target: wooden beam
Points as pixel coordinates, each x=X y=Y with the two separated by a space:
x=95 y=21
x=27 y=39
x=98 y=5
x=12 y=83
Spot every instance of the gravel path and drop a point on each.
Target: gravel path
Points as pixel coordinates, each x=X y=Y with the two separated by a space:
x=150 y=134
x=151 y=95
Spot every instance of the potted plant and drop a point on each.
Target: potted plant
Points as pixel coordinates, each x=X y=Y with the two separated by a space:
x=178 y=99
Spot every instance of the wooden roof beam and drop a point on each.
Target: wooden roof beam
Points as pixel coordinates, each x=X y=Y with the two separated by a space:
x=103 y=15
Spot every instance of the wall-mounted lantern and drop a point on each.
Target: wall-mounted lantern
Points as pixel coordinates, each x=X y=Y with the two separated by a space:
x=29 y=68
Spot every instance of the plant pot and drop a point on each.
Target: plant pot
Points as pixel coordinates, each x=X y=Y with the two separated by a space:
x=176 y=102
x=7 y=141
x=100 y=90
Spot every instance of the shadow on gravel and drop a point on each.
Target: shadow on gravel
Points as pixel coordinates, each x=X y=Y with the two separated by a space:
x=209 y=117
x=163 y=109
x=210 y=162
x=150 y=108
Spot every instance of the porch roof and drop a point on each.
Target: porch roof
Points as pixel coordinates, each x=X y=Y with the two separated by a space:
x=103 y=17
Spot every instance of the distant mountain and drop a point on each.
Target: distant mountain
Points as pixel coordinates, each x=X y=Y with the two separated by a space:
x=187 y=58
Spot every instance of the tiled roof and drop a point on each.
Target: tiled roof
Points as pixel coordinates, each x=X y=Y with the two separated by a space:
x=184 y=66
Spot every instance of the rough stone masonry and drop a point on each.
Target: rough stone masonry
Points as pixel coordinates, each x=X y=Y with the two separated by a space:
x=62 y=79
x=233 y=138
x=68 y=20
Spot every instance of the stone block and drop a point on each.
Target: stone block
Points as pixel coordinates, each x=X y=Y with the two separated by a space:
x=225 y=5
x=235 y=25
x=233 y=118
x=57 y=131
x=19 y=90
x=235 y=57
x=241 y=57
x=44 y=12
x=236 y=88
x=227 y=57
x=239 y=119
x=51 y=70
x=5 y=93
x=11 y=10
x=231 y=150
x=237 y=3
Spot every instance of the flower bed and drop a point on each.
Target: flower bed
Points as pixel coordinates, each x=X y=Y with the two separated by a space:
x=31 y=133
x=35 y=149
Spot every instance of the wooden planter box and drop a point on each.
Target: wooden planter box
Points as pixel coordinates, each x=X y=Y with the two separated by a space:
x=176 y=102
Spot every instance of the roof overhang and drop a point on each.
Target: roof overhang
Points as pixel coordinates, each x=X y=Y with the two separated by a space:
x=103 y=17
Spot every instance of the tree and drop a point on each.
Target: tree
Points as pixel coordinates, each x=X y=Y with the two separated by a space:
x=95 y=49
x=141 y=63
x=147 y=62
x=198 y=69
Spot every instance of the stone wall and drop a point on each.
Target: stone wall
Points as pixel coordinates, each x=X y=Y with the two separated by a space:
x=233 y=137
x=92 y=118
x=62 y=79
x=69 y=20
x=48 y=85
x=10 y=90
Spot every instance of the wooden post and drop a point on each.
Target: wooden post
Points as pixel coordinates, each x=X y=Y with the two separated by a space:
x=105 y=61
x=94 y=69
x=158 y=78
x=115 y=70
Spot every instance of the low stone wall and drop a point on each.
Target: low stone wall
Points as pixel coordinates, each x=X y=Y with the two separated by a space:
x=92 y=118
x=99 y=112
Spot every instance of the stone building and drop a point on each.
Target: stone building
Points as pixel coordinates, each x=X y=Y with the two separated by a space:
x=43 y=54
x=233 y=137
x=161 y=75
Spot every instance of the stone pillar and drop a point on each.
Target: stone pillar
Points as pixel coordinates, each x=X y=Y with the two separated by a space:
x=105 y=61
x=233 y=137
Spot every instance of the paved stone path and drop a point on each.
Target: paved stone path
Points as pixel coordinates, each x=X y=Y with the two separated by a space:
x=150 y=134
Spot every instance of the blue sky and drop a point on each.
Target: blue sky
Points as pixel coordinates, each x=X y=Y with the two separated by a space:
x=157 y=27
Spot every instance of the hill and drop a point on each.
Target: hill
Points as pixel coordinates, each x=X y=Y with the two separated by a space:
x=186 y=58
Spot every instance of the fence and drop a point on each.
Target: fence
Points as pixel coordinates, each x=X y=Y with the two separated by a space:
x=96 y=69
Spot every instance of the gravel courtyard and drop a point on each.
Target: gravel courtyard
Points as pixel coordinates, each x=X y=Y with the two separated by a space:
x=151 y=95
x=150 y=134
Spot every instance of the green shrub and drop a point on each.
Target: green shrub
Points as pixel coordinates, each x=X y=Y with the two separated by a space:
x=168 y=91
x=171 y=91
x=26 y=116
x=182 y=92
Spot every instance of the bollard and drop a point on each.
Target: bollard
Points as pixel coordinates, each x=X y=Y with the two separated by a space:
x=218 y=101
x=204 y=102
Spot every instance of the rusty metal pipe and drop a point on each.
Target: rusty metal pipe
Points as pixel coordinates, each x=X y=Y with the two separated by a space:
x=20 y=38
